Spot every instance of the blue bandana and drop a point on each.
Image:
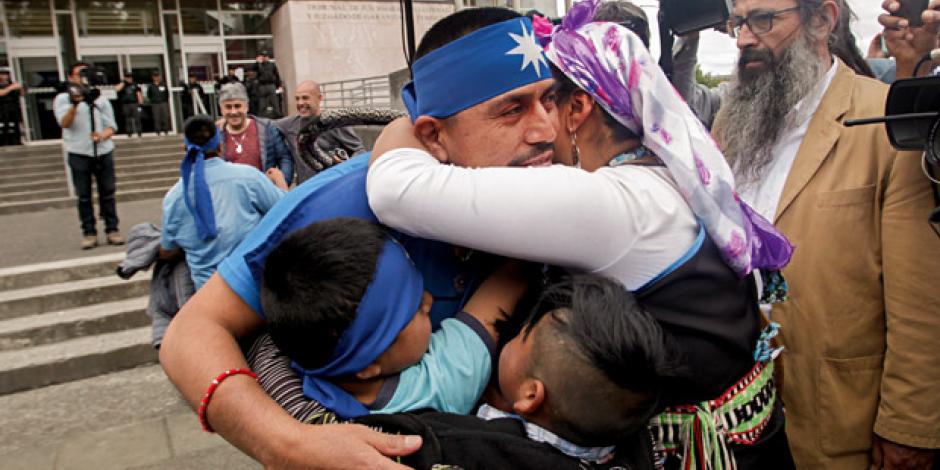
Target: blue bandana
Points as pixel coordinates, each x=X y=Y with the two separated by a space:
x=200 y=205
x=389 y=304
x=479 y=66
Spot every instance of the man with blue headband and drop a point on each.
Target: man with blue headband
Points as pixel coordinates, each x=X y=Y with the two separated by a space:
x=214 y=204
x=482 y=96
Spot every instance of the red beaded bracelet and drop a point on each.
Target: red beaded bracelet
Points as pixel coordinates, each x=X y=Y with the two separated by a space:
x=204 y=404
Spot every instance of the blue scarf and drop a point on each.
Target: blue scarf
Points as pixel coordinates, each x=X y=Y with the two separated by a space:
x=472 y=69
x=200 y=205
x=389 y=304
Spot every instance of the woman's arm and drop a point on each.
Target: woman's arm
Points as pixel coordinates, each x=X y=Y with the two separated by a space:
x=398 y=134
x=497 y=297
x=558 y=215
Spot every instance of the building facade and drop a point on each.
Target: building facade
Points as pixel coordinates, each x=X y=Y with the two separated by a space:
x=336 y=42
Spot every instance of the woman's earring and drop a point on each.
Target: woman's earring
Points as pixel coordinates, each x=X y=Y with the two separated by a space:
x=575 y=151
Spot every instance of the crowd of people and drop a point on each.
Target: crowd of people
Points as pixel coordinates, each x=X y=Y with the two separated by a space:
x=563 y=258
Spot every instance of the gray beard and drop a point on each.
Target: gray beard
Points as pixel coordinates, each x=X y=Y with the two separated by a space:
x=759 y=107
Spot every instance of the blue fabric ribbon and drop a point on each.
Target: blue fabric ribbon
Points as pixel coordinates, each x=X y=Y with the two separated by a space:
x=470 y=70
x=193 y=170
x=389 y=304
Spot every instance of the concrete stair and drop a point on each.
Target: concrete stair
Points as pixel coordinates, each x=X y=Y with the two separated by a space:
x=34 y=178
x=68 y=320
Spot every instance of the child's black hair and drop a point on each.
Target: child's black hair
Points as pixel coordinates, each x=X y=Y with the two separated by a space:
x=602 y=359
x=313 y=282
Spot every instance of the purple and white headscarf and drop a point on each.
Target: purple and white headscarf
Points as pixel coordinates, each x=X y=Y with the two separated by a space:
x=613 y=65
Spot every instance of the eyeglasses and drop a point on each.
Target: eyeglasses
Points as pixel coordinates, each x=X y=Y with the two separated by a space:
x=758 y=22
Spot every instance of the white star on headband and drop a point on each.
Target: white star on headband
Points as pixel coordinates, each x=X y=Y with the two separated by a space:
x=529 y=50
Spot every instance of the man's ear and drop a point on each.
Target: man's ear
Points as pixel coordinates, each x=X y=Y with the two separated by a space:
x=531 y=397
x=370 y=372
x=430 y=131
x=578 y=110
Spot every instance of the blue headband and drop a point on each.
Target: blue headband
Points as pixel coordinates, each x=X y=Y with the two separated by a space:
x=474 y=68
x=389 y=304
x=201 y=204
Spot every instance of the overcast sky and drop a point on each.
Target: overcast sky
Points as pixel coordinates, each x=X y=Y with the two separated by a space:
x=717 y=52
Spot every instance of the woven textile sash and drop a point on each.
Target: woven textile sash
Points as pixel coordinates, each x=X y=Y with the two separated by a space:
x=700 y=434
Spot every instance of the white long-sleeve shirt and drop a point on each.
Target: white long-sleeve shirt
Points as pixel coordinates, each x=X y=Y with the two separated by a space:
x=627 y=222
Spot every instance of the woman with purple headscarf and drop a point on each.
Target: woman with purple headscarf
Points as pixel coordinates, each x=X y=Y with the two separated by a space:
x=644 y=196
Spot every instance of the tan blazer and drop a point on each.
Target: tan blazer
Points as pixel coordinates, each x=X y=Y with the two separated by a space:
x=862 y=325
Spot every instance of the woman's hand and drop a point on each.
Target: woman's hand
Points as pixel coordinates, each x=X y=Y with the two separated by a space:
x=397 y=134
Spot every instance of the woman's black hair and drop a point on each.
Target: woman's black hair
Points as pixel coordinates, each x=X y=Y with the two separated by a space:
x=566 y=87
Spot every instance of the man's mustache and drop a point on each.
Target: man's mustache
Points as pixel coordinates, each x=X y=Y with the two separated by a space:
x=535 y=150
x=751 y=55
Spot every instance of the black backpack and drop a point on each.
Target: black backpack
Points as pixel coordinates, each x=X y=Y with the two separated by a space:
x=454 y=441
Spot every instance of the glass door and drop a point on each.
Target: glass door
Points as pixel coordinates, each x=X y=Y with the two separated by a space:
x=40 y=75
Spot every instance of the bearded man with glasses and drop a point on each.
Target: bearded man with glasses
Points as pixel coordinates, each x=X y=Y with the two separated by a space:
x=860 y=326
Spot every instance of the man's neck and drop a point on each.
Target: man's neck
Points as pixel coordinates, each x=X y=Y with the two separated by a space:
x=238 y=130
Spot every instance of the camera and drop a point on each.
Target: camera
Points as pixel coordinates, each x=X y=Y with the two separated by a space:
x=912 y=120
x=686 y=16
x=91 y=78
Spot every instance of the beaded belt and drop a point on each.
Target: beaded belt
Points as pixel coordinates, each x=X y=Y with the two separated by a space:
x=700 y=434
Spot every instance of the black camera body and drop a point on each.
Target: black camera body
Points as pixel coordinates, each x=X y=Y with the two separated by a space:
x=687 y=16
x=91 y=78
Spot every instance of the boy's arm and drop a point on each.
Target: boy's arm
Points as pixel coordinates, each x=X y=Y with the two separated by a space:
x=497 y=297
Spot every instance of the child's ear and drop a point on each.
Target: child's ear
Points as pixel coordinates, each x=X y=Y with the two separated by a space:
x=531 y=397
x=430 y=131
x=370 y=372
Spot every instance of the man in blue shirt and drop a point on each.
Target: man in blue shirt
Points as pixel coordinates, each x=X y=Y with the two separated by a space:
x=89 y=149
x=238 y=195
x=506 y=117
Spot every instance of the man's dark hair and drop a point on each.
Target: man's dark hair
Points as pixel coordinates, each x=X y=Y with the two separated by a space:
x=313 y=282
x=76 y=65
x=199 y=129
x=627 y=15
x=460 y=24
x=565 y=87
x=601 y=357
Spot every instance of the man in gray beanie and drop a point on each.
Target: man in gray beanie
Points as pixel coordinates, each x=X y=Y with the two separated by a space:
x=251 y=140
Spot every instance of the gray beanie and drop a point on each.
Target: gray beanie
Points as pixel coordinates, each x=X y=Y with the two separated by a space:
x=233 y=91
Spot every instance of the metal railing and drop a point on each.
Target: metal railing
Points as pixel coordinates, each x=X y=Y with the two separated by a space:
x=371 y=92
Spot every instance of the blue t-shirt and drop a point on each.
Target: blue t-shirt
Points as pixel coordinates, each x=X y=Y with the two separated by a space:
x=340 y=191
x=241 y=195
x=451 y=375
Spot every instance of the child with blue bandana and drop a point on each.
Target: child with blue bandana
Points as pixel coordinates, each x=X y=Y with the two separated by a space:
x=345 y=302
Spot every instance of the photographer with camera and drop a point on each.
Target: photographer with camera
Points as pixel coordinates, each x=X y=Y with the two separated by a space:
x=910 y=34
x=87 y=122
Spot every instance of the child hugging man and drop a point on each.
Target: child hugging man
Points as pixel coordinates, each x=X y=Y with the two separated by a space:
x=576 y=389
x=344 y=301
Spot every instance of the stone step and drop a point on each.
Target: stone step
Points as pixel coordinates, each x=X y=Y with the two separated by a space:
x=66 y=202
x=57 y=180
x=57 y=162
x=9 y=177
x=53 y=180
x=119 y=149
x=47 y=328
x=74 y=359
x=55 y=272
x=73 y=294
x=124 y=184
